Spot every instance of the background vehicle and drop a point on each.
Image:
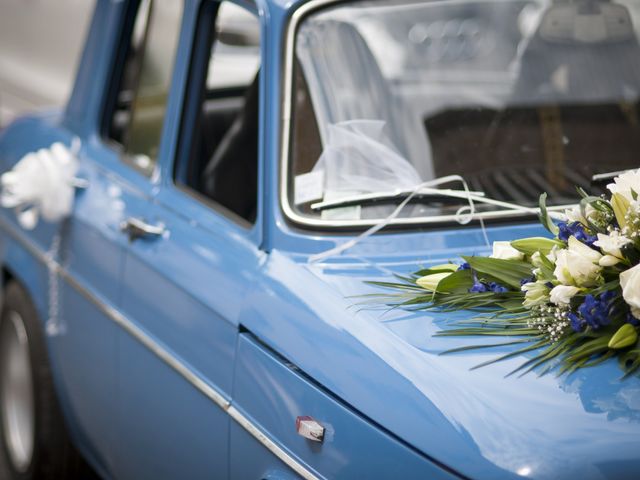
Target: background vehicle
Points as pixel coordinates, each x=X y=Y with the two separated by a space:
x=187 y=332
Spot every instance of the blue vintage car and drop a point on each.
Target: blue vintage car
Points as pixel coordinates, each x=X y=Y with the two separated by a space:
x=188 y=317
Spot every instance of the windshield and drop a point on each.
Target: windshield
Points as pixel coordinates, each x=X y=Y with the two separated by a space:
x=518 y=97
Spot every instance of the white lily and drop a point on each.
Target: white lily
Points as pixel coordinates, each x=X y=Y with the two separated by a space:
x=624 y=183
x=505 y=251
x=577 y=265
x=562 y=294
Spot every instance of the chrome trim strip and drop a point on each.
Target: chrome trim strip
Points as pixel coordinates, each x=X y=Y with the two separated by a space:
x=607 y=176
x=147 y=341
x=287 y=113
x=181 y=368
x=270 y=445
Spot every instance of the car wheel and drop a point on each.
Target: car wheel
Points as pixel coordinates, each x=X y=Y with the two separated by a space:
x=33 y=441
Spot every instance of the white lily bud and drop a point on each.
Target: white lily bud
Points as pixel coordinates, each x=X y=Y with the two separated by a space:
x=608 y=261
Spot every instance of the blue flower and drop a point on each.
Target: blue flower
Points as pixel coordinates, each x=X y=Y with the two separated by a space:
x=527 y=280
x=478 y=287
x=564 y=232
x=577 y=230
x=596 y=312
x=497 y=288
x=464 y=266
x=576 y=322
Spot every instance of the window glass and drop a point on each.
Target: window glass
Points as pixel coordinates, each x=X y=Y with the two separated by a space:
x=146 y=80
x=236 y=56
x=223 y=161
x=518 y=97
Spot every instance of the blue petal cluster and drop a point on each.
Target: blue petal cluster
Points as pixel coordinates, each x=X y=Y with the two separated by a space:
x=478 y=287
x=593 y=312
x=481 y=287
x=577 y=230
x=527 y=280
x=577 y=323
x=497 y=288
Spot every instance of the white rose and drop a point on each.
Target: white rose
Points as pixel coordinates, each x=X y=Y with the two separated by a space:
x=612 y=243
x=562 y=294
x=505 y=251
x=630 y=283
x=577 y=265
x=624 y=183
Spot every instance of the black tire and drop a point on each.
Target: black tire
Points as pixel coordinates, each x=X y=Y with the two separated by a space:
x=53 y=455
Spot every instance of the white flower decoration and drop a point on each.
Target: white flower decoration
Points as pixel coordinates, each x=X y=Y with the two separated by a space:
x=630 y=283
x=535 y=293
x=611 y=245
x=562 y=294
x=577 y=265
x=625 y=182
x=575 y=214
x=505 y=251
x=41 y=184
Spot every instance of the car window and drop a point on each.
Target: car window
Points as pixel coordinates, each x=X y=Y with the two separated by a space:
x=222 y=163
x=235 y=56
x=517 y=97
x=141 y=101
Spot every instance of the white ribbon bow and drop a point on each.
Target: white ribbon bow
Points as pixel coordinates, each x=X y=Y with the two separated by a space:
x=42 y=184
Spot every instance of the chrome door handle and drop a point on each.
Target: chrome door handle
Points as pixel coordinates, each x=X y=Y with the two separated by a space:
x=137 y=228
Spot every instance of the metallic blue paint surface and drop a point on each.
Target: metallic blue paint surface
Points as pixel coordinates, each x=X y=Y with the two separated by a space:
x=391 y=404
x=352 y=447
x=478 y=422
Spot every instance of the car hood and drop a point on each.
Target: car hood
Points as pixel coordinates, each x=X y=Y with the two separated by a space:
x=387 y=364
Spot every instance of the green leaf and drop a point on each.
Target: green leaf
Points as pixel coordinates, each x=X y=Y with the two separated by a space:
x=447 y=267
x=529 y=246
x=546 y=268
x=458 y=282
x=544 y=216
x=508 y=272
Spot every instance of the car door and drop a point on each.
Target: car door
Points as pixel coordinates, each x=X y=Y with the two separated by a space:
x=188 y=263
x=183 y=288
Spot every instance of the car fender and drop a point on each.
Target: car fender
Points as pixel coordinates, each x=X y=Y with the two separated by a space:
x=22 y=265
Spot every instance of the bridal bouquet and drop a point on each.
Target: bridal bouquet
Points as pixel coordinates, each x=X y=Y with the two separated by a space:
x=573 y=298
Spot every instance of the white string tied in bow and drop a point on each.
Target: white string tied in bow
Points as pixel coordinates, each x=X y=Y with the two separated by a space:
x=463 y=215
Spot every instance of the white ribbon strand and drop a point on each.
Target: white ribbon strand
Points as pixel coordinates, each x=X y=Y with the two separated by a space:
x=463 y=215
